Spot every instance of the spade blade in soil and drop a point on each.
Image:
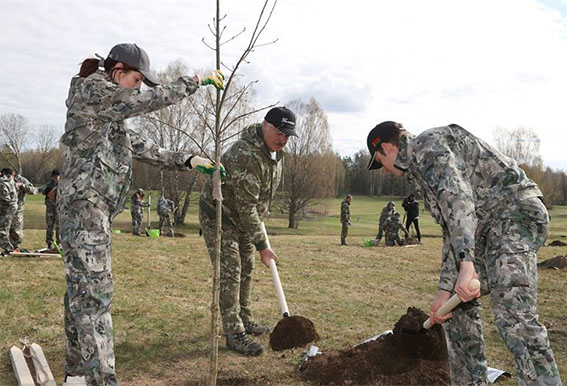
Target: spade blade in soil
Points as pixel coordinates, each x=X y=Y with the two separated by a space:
x=291 y=332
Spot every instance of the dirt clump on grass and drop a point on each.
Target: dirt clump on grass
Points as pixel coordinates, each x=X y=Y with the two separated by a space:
x=293 y=331
x=556 y=262
x=400 y=358
x=557 y=243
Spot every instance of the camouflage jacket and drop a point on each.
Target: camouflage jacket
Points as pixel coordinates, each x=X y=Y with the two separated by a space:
x=45 y=189
x=98 y=147
x=8 y=196
x=26 y=187
x=464 y=181
x=165 y=206
x=387 y=211
x=393 y=224
x=137 y=203
x=252 y=179
x=345 y=211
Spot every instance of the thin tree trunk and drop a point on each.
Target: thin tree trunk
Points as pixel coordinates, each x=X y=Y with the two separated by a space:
x=217 y=195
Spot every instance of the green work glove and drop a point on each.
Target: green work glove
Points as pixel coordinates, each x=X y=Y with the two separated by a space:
x=205 y=165
x=215 y=77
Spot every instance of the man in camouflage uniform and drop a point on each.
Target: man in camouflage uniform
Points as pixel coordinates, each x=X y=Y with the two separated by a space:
x=387 y=211
x=165 y=209
x=98 y=149
x=23 y=187
x=137 y=206
x=51 y=214
x=254 y=169
x=493 y=222
x=8 y=208
x=392 y=228
x=345 y=218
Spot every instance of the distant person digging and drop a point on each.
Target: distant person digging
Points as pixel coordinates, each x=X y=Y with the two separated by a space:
x=51 y=213
x=386 y=213
x=411 y=206
x=345 y=218
x=165 y=209
x=493 y=222
x=137 y=206
x=392 y=228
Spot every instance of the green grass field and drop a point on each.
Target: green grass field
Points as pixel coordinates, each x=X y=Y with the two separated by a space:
x=163 y=292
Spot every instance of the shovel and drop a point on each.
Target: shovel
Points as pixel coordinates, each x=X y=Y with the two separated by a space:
x=291 y=331
x=447 y=307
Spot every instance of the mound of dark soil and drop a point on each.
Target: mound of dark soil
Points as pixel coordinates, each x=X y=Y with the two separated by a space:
x=556 y=262
x=179 y=234
x=293 y=331
x=397 y=359
x=557 y=243
x=410 y=241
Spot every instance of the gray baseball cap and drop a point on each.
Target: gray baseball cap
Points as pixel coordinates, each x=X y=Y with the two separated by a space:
x=136 y=57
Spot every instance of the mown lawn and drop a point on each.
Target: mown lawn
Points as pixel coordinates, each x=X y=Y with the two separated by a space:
x=163 y=292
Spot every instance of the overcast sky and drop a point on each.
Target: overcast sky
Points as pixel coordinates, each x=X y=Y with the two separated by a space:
x=481 y=64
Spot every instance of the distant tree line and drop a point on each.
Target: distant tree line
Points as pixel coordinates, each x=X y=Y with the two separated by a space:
x=312 y=169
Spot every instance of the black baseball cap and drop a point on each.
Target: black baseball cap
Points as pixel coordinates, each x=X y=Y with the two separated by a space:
x=283 y=119
x=136 y=57
x=379 y=134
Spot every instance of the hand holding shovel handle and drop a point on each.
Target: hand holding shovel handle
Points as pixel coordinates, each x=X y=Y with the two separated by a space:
x=450 y=304
x=276 y=278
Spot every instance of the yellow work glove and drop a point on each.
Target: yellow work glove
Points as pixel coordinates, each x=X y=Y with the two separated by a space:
x=214 y=77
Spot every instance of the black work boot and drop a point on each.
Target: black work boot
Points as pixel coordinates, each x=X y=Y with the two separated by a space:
x=254 y=328
x=243 y=344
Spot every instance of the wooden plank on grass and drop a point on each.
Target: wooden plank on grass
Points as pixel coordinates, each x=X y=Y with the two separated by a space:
x=21 y=370
x=42 y=370
x=33 y=254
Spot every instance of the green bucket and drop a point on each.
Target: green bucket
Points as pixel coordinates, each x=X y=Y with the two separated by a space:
x=116 y=231
x=367 y=242
x=153 y=233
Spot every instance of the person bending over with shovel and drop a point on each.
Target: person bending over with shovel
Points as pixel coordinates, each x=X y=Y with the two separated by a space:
x=97 y=167
x=253 y=168
x=493 y=222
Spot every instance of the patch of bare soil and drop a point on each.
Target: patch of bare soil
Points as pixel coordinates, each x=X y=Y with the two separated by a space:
x=556 y=262
x=293 y=331
x=557 y=243
x=397 y=359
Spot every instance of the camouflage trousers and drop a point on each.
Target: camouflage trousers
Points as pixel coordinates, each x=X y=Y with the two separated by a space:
x=88 y=323
x=165 y=220
x=52 y=220
x=6 y=216
x=344 y=232
x=17 y=227
x=137 y=218
x=505 y=259
x=393 y=238
x=236 y=266
x=380 y=231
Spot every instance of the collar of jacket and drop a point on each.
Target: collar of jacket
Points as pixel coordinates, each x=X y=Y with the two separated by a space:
x=405 y=151
x=253 y=135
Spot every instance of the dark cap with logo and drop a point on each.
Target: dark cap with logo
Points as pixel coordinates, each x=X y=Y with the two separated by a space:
x=283 y=119
x=381 y=133
x=136 y=57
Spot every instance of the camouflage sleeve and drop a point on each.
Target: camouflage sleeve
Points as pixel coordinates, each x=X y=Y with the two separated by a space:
x=345 y=212
x=154 y=155
x=453 y=194
x=245 y=178
x=28 y=186
x=4 y=194
x=122 y=103
x=449 y=273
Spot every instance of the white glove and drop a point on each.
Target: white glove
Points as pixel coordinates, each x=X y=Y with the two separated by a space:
x=204 y=165
x=215 y=77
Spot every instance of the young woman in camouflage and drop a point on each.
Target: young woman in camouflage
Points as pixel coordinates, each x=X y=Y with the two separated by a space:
x=493 y=222
x=97 y=166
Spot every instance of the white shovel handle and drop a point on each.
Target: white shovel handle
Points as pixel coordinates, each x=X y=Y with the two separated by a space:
x=450 y=304
x=276 y=278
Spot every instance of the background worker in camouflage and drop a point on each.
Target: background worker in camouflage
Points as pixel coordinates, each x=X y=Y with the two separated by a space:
x=411 y=206
x=165 y=208
x=387 y=211
x=23 y=187
x=137 y=206
x=392 y=228
x=51 y=214
x=8 y=208
x=493 y=221
x=254 y=169
x=345 y=218
x=97 y=168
